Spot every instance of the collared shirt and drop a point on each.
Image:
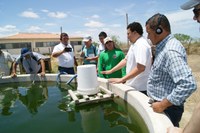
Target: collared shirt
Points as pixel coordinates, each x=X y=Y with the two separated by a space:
x=66 y=59
x=31 y=65
x=139 y=53
x=170 y=75
x=5 y=59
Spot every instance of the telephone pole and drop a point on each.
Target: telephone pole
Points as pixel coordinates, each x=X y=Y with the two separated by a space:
x=126 y=26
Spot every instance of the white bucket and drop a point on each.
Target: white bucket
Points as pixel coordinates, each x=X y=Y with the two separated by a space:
x=87 y=80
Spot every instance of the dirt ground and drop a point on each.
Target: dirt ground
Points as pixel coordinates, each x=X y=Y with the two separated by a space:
x=194 y=63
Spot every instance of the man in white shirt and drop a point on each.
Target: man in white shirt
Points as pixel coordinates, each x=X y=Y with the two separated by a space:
x=6 y=61
x=137 y=61
x=65 y=55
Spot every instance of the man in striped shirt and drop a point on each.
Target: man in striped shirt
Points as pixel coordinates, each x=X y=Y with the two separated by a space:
x=170 y=81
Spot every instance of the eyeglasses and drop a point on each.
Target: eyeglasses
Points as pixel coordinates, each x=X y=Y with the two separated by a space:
x=196 y=12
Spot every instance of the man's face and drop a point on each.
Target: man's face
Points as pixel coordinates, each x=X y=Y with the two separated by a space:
x=151 y=34
x=196 y=12
x=101 y=39
x=65 y=39
x=130 y=35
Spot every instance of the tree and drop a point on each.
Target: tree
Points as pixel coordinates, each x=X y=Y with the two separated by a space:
x=185 y=40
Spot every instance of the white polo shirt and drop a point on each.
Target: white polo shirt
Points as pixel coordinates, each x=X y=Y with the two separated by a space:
x=139 y=52
x=65 y=59
x=5 y=58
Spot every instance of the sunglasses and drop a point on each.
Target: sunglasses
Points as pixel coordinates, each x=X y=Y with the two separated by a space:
x=196 y=12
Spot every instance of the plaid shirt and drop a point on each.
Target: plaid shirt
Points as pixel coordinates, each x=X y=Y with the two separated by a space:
x=170 y=75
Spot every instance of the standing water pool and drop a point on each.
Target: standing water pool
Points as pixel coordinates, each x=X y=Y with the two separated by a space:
x=44 y=107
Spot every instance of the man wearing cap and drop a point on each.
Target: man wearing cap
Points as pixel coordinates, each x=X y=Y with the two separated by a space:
x=89 y=51
x=30 y=61
x=5 y=59
x=109 y=59
x=193 y=4
x=193 y=125
x=65 y=55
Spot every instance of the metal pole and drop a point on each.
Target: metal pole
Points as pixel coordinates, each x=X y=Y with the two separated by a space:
x=126 y=26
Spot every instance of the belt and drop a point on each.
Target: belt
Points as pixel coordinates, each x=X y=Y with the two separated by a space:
x=65 y=67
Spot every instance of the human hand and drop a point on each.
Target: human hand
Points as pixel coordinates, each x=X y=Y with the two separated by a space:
x=106 y=72
x=13 y=75
x=115 y=80
x=42 y=74
x=174 y=130
x=157 y=107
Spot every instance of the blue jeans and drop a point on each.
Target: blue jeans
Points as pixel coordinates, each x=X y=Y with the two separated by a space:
x=69 y=70
x=174 y=113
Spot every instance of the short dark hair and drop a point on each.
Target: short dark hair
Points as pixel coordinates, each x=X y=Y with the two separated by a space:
x=103 y=34
x=63 y=34
x=135 y=26
x=159 y=20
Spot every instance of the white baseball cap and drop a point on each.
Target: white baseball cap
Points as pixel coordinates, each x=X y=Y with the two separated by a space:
x=190 y=4
x=107 y=39
x=87 y=38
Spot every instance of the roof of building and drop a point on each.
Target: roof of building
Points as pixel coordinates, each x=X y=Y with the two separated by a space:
x=34 y=36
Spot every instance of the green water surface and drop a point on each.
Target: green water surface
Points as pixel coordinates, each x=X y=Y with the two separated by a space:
x=45 y=108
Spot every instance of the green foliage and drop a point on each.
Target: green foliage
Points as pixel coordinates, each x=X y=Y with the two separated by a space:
x=184 y=39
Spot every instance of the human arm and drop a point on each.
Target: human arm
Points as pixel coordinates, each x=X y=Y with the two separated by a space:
x=121 y=64
x=43 y=67
x=14 y=68
x=58 y=53
x=134 y=72
x=192 y=126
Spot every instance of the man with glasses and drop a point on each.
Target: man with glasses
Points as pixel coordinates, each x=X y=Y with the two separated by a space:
x=193 y=124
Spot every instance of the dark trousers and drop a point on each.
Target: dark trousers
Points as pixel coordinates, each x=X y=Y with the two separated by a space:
x=69 y=70
x=174 y=113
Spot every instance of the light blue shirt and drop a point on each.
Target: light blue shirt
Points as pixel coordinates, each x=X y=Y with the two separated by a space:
x=170 y=75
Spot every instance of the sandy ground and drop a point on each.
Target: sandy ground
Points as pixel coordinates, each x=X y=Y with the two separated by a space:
x=194 y=63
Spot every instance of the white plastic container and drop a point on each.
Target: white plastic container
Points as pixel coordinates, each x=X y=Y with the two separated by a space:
x=87 y=80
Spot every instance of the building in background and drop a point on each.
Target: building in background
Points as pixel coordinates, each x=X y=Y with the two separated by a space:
x=42 y=43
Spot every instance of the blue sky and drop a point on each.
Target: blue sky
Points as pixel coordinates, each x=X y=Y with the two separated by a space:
x=80 y=18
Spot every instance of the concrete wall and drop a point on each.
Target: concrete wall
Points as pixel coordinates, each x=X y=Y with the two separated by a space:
x=156 y=122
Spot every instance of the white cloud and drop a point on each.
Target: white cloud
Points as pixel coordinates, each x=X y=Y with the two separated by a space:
x=116 y=25
x=95 y=16
x=180 y=15
x=50 y=24
x=8 y=28
x=34 y=29
x=57 y=14
x=44 y=10
x=94 y=24
x=29 y=14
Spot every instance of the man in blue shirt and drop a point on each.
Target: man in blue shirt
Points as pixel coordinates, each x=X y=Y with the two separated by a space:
x=170 y=81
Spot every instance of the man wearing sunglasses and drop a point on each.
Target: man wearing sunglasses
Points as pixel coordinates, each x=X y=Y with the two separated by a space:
x=193 y=124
